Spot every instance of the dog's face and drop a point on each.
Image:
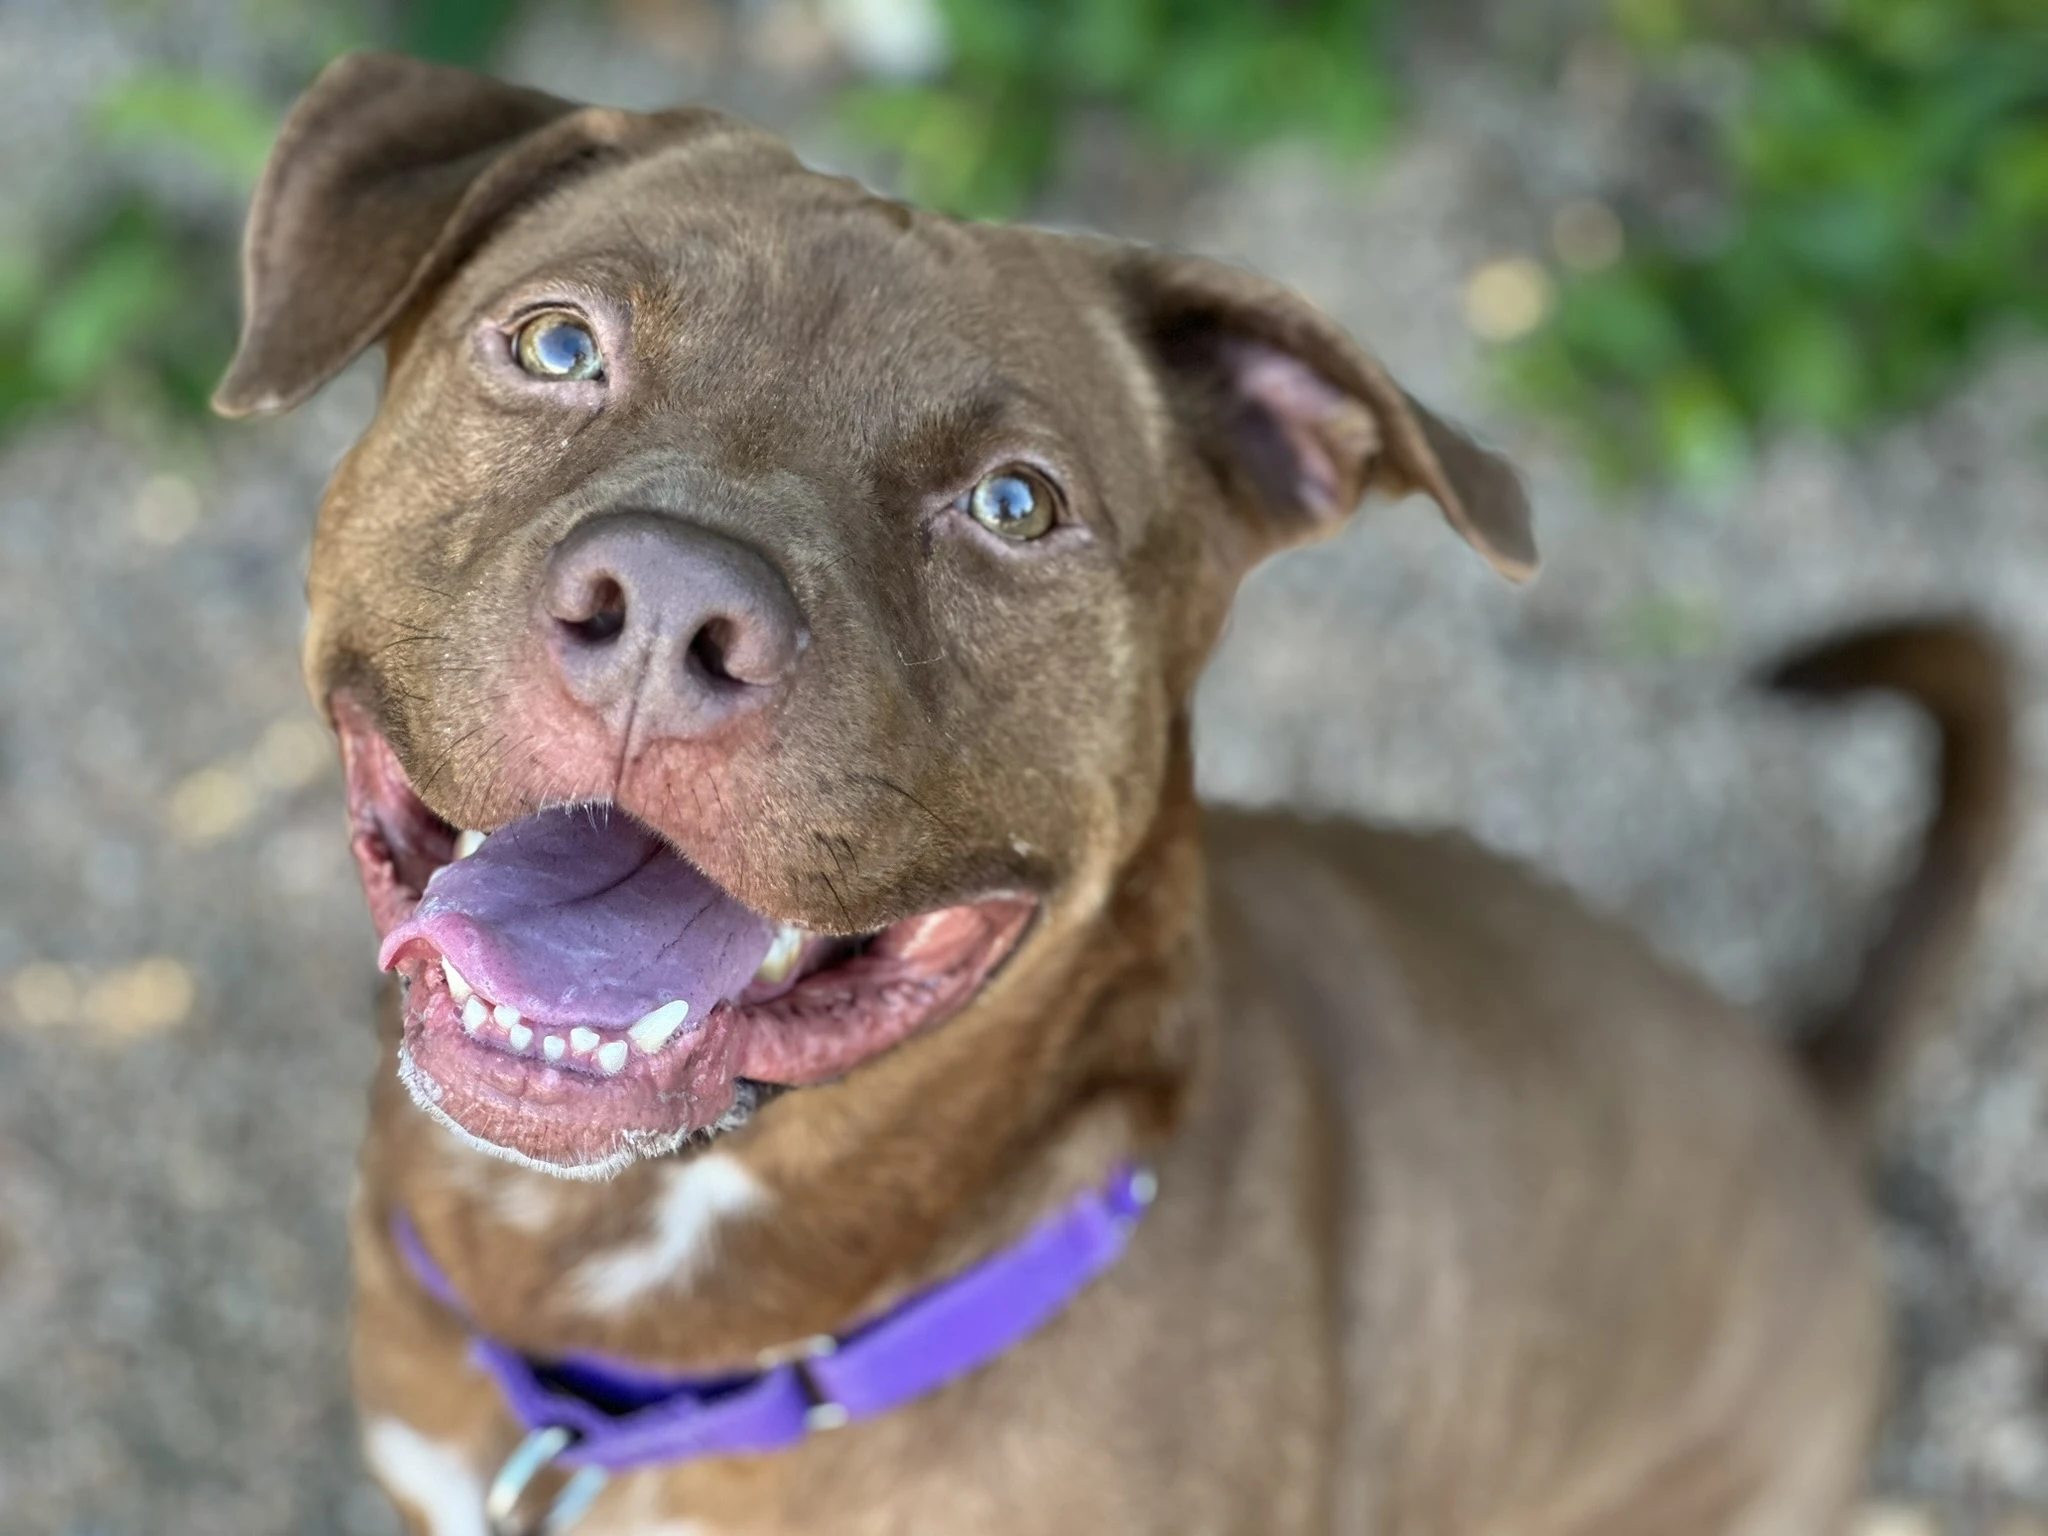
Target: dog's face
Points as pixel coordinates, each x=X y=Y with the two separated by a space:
x=801 y=592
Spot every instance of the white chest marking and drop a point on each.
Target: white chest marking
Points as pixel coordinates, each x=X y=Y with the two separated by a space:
x=682 y=1230
x=432 y=1479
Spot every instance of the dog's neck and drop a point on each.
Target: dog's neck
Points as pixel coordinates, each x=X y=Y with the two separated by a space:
x=838 y=1201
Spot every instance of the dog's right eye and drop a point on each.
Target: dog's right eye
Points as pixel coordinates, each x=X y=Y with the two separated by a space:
x=556 y=344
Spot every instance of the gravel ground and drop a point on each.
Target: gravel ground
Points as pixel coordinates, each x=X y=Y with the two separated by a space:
x=185 y=971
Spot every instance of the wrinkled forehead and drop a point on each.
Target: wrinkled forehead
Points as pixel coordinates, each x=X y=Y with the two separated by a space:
x=750 y=285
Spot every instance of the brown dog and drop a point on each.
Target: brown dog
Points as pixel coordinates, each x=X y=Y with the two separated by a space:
x=866 y=560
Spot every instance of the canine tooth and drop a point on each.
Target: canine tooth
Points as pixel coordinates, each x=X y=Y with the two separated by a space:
x=520 y=1036
x=468 y=842
x=458 y=988
x=506 y=1015
x=473 y=1014
x=612 y=1055
x=656 y=1029
x=783 y=953
x=551 y=1047
x=582 y=1041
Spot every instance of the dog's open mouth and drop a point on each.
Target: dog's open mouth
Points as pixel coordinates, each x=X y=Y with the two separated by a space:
x=578 y=995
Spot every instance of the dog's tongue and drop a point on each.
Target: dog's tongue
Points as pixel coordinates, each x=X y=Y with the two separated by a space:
x=584 y=917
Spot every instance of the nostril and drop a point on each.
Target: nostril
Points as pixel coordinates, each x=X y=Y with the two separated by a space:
x=711 y=650
x=600 y=617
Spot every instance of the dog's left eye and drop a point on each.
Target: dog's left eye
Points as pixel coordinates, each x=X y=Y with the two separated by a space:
x=1016 y=503
x=557 y=345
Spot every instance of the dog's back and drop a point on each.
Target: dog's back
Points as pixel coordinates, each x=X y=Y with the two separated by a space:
x=1602 y=1258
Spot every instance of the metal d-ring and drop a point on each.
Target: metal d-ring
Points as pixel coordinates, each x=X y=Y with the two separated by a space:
x=533 y=1456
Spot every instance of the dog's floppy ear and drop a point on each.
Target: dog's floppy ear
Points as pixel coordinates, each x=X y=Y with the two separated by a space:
x=385 y=175
x=1298 y=421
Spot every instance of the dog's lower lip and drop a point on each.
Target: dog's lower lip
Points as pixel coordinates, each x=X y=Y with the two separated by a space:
x=584 y=1095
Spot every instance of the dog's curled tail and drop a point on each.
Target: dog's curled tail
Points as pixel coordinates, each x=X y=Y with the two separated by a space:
x=1957 y=672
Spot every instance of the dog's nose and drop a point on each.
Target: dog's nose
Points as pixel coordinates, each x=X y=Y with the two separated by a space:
x=684 y=625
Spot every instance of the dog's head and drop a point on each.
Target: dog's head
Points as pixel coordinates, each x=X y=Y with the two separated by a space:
x=801 y=592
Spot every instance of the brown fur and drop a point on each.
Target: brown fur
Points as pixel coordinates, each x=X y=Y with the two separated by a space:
x=1476 y=1217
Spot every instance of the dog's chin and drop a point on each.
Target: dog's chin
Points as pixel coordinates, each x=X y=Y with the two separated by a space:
x=577 y=996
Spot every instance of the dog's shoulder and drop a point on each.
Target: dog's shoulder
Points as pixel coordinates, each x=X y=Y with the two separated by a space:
x=1425 y=968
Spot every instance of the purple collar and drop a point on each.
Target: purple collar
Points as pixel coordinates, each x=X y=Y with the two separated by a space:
x=593 y=1415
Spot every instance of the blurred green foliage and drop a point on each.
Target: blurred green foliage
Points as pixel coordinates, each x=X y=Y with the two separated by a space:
x=128 y=298
x=1195 y=74
x=451 y=31
x=1885 y=190
x=225 y=131
x=112 y=314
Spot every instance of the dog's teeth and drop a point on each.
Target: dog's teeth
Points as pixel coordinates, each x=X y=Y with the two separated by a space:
x=473 y=1014
x=611 y=1055
x=655 y=1030
x=582 y=1041
x=506 y=1015
x=458 y=989
x=551 y=1047
x=783 y=953
x=519 y=1035
x=468 y=842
